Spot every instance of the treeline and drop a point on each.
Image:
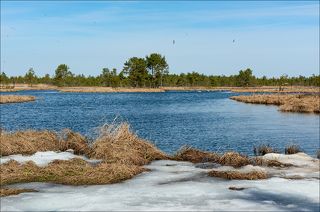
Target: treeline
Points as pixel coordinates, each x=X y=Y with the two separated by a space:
x=153 y=71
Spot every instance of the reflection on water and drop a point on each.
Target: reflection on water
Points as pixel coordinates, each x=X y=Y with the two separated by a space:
x=205 y=120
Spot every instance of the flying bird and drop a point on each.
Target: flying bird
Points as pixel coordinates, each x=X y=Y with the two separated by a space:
x=173 y=42
x=233 y=41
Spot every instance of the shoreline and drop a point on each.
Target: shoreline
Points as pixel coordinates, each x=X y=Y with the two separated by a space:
x=92 y=89
x=8 y=99
x=286 y=102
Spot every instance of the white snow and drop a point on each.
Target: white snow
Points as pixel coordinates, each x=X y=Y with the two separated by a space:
x=299 y=159
x=304 y=166
x=43 y=158
x=171 y=186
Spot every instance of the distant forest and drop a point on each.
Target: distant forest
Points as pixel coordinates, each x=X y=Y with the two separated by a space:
x=153 y=71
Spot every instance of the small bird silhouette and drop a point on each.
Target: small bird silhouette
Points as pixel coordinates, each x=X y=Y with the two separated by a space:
x=233 y=41
x=173 y=42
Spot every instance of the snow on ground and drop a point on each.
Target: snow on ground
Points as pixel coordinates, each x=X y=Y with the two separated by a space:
x=171 y=186
x=43 y=158
x=304 y=166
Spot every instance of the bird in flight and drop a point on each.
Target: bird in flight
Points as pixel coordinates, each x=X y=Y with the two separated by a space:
x=173 y=42
x=233 y=41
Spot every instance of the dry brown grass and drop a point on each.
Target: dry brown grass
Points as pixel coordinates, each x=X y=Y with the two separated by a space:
x=195 y=156
x=118 y=144
x=287 y=102
x=71 y=172
x=237 y=175
x=263 y=149
x=30 y=141
x=275 y=89
x=23 y=87
x=108 y=89
x=269 y=89
x=4 y=99
x=121 y=151
x=234 y=159
x=292 y=149
x=13 y=191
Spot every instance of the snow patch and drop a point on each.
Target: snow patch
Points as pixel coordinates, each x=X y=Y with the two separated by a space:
x=171 y=186
x=43 y=158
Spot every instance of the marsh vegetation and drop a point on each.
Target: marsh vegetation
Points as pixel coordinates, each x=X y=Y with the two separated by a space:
x=286 y=102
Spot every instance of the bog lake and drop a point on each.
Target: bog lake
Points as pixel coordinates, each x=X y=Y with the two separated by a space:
x=205 y=120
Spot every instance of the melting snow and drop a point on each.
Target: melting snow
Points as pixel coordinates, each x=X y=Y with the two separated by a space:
x=172 y=186
x=43 y=158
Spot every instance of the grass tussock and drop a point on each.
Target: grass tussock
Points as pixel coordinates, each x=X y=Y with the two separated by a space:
x=29 y=142
x=263 y=149
x=71 y=140
x=292 y=149
x=234 y=159
x=237 y=175
x=117 y=143
x=70 y=172
x=13 y=191
x=4 y=99
x=287 y=102
x=195 y=156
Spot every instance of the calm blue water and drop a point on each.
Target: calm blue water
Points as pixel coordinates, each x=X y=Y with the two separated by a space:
x=205 y=120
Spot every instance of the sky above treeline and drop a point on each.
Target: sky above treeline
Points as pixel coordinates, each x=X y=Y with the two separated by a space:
x=215 y=38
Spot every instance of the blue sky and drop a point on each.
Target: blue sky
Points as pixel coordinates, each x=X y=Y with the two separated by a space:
x=272 y=38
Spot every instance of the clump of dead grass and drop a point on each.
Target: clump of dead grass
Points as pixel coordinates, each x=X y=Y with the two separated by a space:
x=15 y=99
x=30 y=141
x=234 y=159
x=263 y=149
x=288 y=102
x=117 y=143
x=237 y=175
x=195 y=156
x=13 y=191
x=292 y=149
x=71 y=140
x=71 y=172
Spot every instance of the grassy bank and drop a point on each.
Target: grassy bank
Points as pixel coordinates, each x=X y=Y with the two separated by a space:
x=108 y=89
x=4 y=99
x=287 y=102
x=101 y=89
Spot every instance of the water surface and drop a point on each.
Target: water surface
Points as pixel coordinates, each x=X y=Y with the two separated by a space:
x=205 y=120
